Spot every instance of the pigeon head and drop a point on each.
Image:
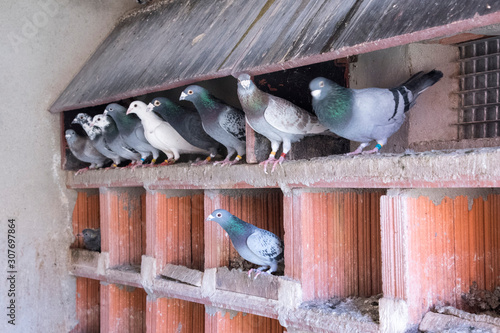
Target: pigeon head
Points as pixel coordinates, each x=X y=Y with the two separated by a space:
x=164 y=105
x=70 y=135
x=89 y=234
x=193 y=92
x=82 y=118
x=245 y=81
x=113 y=108
x=100 y=121
x=138 y=108
x=220 y=216
x=319 y=86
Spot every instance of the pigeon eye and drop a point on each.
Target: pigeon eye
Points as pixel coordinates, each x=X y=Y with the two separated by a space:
x=218 y=215
x=135 y=105
x=190 y=92
x=321 y=84
x=157 y=103
x=110 y=109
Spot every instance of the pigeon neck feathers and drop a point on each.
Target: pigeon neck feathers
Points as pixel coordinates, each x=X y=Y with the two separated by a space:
x=235 y=226
x=336 y=107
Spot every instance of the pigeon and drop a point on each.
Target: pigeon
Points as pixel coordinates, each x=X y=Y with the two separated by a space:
x=161 y=134
x=221 y=121
x=132 y=131
x=369 y=114
x=186 y=123
x=83 y=150
x=256 y=245
x=275 y=118
x=91 y=239
x=113 y=138
x=96 y=138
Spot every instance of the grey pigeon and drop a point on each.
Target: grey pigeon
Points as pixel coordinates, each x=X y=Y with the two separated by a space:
x=97 y=140
x=221 y=121
x=162 y=135
x=83 y=150
x=256 y=245
x=186 y=123
x=132 y=131
x=369 y=114
x=91 y=239
x=113 y=138
x=275 y=118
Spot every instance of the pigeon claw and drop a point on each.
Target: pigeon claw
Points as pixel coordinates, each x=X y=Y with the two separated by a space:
x=356 y=152
x=81 y=170
x=278 y=161
x=372 y=151
x=266 y=162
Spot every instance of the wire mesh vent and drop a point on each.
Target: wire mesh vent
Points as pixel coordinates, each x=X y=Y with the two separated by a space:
x=479 y=89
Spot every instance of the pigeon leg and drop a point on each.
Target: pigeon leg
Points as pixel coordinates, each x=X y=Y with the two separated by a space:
x=81 y=170
x=278 y=161
x=287 y=145
x=259 y=271
x=275 y=145
x=374 y=150
x=236 y=160
x=359 y=149
x=226 y=160
x=205 y=161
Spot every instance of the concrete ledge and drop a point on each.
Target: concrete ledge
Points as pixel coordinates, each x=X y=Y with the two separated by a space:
x=451 y=319
x=434 y=169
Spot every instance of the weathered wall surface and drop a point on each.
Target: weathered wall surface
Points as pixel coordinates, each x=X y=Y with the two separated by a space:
x=44 y=44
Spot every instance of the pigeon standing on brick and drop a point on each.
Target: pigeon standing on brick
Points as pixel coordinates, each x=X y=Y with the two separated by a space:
x=162 y=135
x=186 y=123
x=222 y=122
x=256 y=245
x=91 y=239
x=83 y=150
x=113 y=138
x=275 y=118
x=132 y=131
x=369 y=114
x=97 y=140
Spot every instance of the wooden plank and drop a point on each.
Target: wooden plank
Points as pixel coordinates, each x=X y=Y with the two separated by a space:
x=183 y=274
x=265 y=285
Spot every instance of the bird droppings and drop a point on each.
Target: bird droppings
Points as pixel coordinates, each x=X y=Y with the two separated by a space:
x=358 y=308
x=483 y=301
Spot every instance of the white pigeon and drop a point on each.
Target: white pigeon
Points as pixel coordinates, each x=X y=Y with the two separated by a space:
x=161 y=134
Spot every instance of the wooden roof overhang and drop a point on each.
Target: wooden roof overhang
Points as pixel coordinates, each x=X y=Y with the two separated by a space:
x=174 y=43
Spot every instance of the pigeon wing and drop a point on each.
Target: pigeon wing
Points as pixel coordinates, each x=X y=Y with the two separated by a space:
x=265 y=244
x=233 y=122
x=289 y=118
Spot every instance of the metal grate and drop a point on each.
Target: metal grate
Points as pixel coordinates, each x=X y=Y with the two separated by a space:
x=479 y=115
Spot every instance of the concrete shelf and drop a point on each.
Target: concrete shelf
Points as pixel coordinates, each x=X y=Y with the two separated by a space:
x=434 y=169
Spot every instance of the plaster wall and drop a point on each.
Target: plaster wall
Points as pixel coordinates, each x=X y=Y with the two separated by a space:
x=44 y=44
x=431 y=119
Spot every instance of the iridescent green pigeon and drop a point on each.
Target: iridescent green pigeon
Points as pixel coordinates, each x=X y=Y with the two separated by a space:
x=369 y=114
x=256 y=245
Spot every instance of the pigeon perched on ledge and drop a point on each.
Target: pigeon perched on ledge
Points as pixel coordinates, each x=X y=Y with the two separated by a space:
x=91 y=239
x=132 y=131
x=369 y=114
x=113 y=138
x=275 y=118
x=83 y=150
x=96 y=137
x=256 y=245
x=221 y=121
x=162 y=135
x=186 y=123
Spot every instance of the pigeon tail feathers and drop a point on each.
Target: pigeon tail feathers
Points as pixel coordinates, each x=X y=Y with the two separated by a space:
x=420 y=81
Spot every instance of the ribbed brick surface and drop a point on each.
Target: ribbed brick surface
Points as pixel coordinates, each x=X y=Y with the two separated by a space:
x=85 y=214
x=261 y=208
x=175 y=229
x=433 y=253
x=241 y=323
x=335 y=239
x=123 y=309
x=123 y=225
x=87 y=305
x=174 y=315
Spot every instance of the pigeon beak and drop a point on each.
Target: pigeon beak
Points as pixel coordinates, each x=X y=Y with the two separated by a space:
x=210 y=217
x=245 y=84
x=105 y=112
x=79 y=235
x=129 y=111
x=74 y=121
x=316 y=93
x=183 y=96
x=150 y=107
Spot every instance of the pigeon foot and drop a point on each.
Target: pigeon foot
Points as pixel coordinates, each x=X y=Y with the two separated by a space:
x=81 y=170
x=356 y=152
x=266 y=162
x=279 y=161
x=202 y=162
x=372 y=151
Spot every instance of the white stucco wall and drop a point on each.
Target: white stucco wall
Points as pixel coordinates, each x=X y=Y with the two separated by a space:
x=44 y=44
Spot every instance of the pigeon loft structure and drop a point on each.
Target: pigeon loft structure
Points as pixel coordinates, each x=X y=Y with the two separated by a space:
x=372 y=243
